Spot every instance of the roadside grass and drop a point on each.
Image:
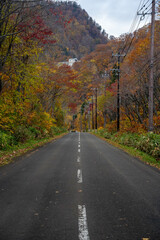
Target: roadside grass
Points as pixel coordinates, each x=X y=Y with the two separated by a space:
x=8 y=155
x=146 y=158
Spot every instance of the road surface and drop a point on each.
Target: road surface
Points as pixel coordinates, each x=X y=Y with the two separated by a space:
x=79 y=188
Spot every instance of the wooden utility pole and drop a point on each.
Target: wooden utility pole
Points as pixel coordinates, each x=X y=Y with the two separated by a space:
x=92 y=114
x=105 y=76
x=81 y=121
x=151 y=79
x=96 y=109
x=118 y=88
x=118 y=95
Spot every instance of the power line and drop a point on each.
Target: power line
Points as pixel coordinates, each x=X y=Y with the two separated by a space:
x=146 y=66
x=143 y=5
x=133 y=25
x=131 y=42
x=143 y=15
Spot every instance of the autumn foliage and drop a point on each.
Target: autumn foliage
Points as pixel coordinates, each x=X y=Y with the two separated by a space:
x=95 y=72
x=39 y=93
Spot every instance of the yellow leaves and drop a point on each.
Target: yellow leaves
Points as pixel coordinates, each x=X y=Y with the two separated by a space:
x=5 y=77
x=94 y=69
x=42 y=120
x=7 y=115
x=39 y=68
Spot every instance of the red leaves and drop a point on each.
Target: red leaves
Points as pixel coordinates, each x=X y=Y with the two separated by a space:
x=60 y=17
x=36 y=29
x=113 y=88
x=72 y=106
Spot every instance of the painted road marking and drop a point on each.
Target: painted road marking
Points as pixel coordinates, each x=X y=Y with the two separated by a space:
x=79 y=146
x=82 y=223
x=79 y=150
x=79 y=176
x=78 y=160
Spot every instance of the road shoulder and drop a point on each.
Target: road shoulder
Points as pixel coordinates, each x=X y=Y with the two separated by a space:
x=145 y=158
x=10 y=156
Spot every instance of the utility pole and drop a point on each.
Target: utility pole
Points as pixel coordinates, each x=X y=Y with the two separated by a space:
x=92 y=114
x=118 y=95
x=105 y=76
x=81 y=114
x=118 y=88
x=151 y=80
x=96 y=110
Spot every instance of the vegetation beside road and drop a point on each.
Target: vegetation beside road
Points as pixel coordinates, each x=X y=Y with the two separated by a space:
x=145 y=146
x=25 y=139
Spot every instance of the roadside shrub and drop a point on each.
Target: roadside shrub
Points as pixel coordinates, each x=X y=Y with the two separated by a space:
x=6 y=140
x=44 y=132
x=107 y=135
x=128 y=139
x=63 y=129
x=51 y=132
x=101 y=131
x=112 y=127
x=22 y=134
x=35 y=132
x=55 y=130
x=148 y=143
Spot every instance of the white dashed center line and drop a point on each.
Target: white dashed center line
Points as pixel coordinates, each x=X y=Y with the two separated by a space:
x=82 y=216
x=82 y=223
x=79 y=176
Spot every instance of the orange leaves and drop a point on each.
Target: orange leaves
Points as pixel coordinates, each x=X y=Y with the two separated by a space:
x=5 y=77
x=42 y=120
x=72 y=106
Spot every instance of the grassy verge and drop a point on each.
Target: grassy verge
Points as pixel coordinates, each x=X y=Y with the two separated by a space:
x=7 y=156
x=150 y=160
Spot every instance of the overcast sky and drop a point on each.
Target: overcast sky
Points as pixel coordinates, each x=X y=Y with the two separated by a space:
x=114 y=16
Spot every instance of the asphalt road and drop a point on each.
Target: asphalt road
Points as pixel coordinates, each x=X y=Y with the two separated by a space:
x=79 y=188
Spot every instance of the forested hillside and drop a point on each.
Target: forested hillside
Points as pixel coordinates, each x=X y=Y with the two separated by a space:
x=75 y=32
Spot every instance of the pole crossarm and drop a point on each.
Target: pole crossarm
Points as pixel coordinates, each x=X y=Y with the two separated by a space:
x=115 y=69
x=143 y=13
x=118 y=55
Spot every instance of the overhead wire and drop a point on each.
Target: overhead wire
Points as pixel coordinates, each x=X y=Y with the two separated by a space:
x=147 y=13
x=135 y=32
x=131 y=42
x=128 y=43
x=135 y=35
x=133 y=27
x=143 y=5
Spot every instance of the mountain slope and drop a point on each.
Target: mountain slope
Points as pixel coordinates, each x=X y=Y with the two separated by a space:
x=75 y=32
